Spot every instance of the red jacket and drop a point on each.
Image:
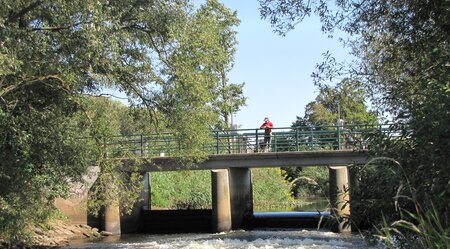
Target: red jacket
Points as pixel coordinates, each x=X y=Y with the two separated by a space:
x=267 y=126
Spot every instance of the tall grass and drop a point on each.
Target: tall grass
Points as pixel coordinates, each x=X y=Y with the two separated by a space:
x=419 y=226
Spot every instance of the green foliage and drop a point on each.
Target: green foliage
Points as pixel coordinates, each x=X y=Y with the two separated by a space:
x=419 y=224
x=402 y=49
x=229 y=96
x=53 y=54
x=370 y=204
x=192 y=190
x=308 y=181
x=192 y=98
x=271 y=192
x=346 y=99
x=39 y=153
x=181 y=189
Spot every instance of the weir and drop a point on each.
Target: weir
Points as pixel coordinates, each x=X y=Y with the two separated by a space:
x=232 y=200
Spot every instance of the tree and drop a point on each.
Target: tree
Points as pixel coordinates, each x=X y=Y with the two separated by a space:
x=403 y=51
x=211 y=28
x=55 y=53
x=344 y=101
x=230 y=96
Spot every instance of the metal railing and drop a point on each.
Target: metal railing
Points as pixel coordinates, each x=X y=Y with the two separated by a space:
x=238 y=141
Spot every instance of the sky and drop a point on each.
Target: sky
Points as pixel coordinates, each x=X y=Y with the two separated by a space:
x=276 y=70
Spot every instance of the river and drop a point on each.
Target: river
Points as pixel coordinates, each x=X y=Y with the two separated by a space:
x=255 y=239
x=251 y=239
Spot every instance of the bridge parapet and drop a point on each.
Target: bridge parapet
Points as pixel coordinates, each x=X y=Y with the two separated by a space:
x=248 y=141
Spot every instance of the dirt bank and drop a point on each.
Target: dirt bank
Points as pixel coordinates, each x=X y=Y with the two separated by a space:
x=61 y=233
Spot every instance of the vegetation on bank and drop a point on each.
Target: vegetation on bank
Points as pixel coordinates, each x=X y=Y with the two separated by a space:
x=402 y=62
x=192 y=190
x=56 y=60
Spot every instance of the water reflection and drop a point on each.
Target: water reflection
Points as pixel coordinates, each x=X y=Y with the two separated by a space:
x=313 y=203
x=302 y=204
x=286 y=238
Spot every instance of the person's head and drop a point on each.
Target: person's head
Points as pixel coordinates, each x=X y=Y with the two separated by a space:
x=266 y=119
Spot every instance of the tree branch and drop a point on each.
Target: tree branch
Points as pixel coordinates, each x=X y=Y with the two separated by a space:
x=29 y=81
x=15 y=16
x=60 y=27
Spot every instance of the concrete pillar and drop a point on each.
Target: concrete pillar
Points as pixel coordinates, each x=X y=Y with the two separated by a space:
x=356 y=217
x=340 y=198
x=111 y=220
x=149 y=191
x=132 y=222
x=241 y=195
x=221 y=210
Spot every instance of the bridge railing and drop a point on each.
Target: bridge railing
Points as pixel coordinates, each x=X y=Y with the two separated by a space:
x=238 y=141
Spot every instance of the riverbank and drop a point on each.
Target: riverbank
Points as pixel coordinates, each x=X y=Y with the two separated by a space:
x=59 y=233
x=62 y=232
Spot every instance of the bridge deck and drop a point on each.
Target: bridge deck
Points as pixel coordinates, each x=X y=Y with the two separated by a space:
x=260 y=160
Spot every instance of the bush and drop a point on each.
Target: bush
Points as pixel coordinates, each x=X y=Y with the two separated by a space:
x=181 y=189
x=271 y=192
x=192 y=190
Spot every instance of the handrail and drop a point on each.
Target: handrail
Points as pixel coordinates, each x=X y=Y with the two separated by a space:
x=238 y=141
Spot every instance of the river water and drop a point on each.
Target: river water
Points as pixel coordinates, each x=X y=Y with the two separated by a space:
x=251 y=239
x=254 y=239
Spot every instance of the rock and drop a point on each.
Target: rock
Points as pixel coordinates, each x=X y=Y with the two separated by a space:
x=61 y=233
x=105 y=233
x=84 y=226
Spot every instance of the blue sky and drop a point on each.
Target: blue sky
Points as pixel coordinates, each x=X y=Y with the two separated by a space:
x=276 y=70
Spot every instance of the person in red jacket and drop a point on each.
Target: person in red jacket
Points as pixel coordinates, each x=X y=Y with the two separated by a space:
x=267 y=126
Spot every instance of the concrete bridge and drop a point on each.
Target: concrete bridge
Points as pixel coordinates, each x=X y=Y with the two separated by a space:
x=233 y=154
x=232 y=198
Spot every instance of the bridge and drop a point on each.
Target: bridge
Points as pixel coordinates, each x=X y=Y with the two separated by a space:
x=231 y=155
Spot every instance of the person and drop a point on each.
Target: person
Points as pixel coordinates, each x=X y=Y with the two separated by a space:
x=267 y=126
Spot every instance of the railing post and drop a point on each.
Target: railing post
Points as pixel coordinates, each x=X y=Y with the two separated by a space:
x=239 y=143
x=257 y=141
x=339 y=136
x=217 y=142
x=273 y=141
x=297 y=148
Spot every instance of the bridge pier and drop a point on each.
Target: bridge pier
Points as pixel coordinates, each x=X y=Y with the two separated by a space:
x=116 y=223
x=132 y=222
x=241 y=195
x=221 y=209
x=340 y=198
x=111 y=218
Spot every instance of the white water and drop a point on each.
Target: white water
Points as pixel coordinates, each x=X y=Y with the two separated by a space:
x=256 y=239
